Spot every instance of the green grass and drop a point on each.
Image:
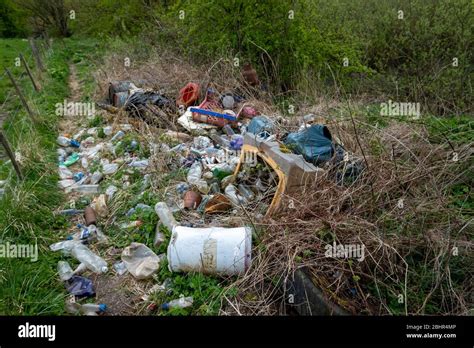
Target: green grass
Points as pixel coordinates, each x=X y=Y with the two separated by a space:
x=10 y=50
x=26 y=212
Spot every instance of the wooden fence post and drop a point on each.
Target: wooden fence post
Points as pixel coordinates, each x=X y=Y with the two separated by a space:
x=34 y=49
x=28 y=71
x=11 y=155
x=20 y=94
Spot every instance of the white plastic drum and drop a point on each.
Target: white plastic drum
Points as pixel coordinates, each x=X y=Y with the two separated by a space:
x=214 y=250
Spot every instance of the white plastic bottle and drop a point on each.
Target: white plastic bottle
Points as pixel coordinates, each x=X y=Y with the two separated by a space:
x=92 y=261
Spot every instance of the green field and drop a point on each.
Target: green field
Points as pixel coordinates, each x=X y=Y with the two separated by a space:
x=9 y=51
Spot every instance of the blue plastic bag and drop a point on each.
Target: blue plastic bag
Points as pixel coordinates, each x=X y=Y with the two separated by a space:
x=261 y=126
x=80 y=286
x=314 y=143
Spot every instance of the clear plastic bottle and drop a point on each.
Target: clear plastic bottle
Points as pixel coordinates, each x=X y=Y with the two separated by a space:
x=165 y=215
x=110 y=168
x=139 y=163
x=231 y=193
x=93 y=262
x=246 y=192
x=96 y=178
x=195 y=173
x=65 y=271
x=90 y=309
x=65 y=246
x=182 y=302
x=63 y=141
x=86 y=188
x=117 y=136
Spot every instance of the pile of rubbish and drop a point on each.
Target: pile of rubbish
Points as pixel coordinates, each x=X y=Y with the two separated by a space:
x=236 y=161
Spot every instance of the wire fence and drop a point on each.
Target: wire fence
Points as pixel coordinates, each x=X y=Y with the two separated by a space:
x=31 y=64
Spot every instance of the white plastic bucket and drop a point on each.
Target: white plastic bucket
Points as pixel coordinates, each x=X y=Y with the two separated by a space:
x=214 y=250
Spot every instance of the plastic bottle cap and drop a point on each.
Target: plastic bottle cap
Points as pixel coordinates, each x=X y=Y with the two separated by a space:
x=104 y=269
x=102 y=307
x=165 y=306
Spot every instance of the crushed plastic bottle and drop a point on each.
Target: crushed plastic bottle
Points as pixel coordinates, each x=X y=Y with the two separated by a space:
x=96 y=178
x=139 y=163
x=92 y=261
x=71 y=160
x=195 y=173
x=86 y=189
x=110 y=191
x=65 y=271
x=182 y=302
x=89 y=309
x=65 y=173
x=110 y=168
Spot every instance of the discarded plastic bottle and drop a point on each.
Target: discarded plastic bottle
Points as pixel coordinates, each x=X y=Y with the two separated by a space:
x=165 y=215
x=80 y=269
x=90 y=216
x=65 y=271
x=139 y=163
x=195 y=173
x=110 y=168
x=88 y=189
x=131 y=224
x=221 y=140
x=70 y=212
x=231 y=193
x=117 y=136
x=90 y=309
x=65 y=246
x=182 y=302
x=228 y=130
x=96 y=178
x=78 y=176
x=159 y=237
x=71 y=160
x=246 y=192
x=64 y=141
x=65 y=173
x=93 y=262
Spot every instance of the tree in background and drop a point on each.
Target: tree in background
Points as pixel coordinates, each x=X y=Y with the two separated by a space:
x=47 y=15
x=12 y=20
